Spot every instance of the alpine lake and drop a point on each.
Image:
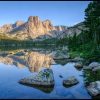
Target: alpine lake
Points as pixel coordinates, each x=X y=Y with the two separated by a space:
x=21 y=63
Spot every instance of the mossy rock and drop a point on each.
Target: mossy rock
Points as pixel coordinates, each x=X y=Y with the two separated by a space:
x=46 y=89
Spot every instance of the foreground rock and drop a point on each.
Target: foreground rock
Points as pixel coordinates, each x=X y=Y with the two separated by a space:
x=94 y=66
x=43 y=80
x=70 y=81
x=79 y=65
x=94 y=88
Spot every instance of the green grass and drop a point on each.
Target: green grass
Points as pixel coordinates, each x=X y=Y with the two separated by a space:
x=90 y=76
x=86 y=51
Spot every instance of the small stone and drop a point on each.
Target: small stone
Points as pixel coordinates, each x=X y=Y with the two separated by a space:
x=70 y=81
x=78 y=65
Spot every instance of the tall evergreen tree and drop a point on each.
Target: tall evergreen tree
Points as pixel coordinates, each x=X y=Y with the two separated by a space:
x=92 y=21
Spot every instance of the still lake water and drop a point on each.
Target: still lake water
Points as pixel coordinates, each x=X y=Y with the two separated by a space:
x=16 y=65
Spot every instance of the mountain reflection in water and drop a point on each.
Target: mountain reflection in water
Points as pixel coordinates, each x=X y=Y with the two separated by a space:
x=37 y=60
x=29 y=58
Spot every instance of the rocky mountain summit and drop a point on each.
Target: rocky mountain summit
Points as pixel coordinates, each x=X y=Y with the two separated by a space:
x=36 y=29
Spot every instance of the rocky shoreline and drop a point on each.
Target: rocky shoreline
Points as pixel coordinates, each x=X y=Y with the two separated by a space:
x=93 y=87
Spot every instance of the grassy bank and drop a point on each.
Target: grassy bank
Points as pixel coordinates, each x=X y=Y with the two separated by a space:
x=87 y=51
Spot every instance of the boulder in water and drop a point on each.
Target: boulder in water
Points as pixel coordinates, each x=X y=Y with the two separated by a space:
x=94 y=88
x=44 y=79
x=94 y=66
x=70 y=81
x=79 y=65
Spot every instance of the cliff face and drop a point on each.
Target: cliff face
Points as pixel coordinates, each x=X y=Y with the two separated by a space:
x=6 y=28
x=34 y=28
x=9 y=27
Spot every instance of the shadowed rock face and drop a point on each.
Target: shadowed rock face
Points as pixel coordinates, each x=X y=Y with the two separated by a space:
x=61 y=28
x=18 y=23
x=35 y=28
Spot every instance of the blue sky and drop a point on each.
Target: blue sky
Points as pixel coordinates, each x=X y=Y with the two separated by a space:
x=59 y=12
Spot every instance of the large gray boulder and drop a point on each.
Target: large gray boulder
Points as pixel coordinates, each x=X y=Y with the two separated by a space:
x=44 y=78
x=94 y=66
x=94 y=88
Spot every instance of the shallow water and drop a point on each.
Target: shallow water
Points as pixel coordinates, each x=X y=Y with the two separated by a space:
x=11 y=73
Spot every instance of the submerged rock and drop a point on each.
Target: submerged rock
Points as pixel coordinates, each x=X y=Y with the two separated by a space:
x=44 y=80
x=94 y=88
x=70 y=81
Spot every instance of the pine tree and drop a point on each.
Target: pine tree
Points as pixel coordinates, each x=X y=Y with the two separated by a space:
x=92 y=21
